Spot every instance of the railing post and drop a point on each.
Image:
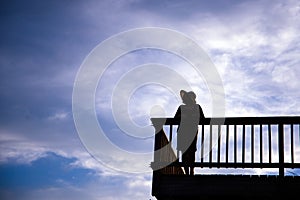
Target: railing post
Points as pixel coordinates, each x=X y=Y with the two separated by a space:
x=281 y=149
x=158 y=125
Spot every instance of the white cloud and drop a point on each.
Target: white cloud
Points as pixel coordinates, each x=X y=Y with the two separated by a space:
x=17 y=148
x=254 y=48
x=61 y=115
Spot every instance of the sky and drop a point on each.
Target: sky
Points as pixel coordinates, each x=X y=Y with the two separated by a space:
x=47 y=148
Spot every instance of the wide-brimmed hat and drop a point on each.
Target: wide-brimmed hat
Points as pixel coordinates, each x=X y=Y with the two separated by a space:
x=189 y=96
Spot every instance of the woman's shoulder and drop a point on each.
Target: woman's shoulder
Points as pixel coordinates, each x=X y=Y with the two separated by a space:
x=199 y=105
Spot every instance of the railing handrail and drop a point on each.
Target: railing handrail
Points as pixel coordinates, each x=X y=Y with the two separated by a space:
x=235 y=120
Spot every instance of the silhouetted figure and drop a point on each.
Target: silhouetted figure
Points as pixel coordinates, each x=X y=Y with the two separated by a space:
x=190 y=113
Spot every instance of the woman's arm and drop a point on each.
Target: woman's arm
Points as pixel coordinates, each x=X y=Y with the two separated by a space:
x=201 y=113
x=178 y=113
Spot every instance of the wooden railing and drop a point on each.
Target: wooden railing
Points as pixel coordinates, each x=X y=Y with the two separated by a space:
x=241 y=142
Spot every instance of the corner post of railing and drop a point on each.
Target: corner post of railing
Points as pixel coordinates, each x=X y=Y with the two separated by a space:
x=281 y=149
x=158 y=126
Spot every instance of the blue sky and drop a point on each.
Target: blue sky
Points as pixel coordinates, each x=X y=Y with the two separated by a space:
x=253 y=44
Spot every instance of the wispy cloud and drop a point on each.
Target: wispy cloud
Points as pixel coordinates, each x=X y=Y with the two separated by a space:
x=253 y=44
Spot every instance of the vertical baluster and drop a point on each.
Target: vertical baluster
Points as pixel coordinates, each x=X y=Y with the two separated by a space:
x=243 y=147
x=210 y=144
x=252 y=143
x=292 y=143
x=202 y=144
x=270 y=143
x=261 y=143
x=219 y=142
x=281 y=149
x=227 y=141
x=235 y=145
x=171 y=132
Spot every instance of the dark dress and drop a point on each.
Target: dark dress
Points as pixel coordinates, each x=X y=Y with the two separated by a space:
x=187 y=131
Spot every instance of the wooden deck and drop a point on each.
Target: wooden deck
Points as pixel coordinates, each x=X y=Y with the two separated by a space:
x=170 y=182
x=182 y=187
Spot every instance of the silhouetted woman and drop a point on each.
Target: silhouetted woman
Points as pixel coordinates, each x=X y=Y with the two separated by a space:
x=190 y=113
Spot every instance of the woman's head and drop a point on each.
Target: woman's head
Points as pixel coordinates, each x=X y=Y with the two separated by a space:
x=188 y=97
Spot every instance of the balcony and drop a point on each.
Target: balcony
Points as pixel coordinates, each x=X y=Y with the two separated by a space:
x=230 y=148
